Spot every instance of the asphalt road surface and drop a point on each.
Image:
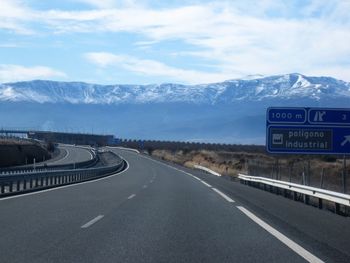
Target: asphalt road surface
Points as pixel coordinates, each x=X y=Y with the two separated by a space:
x=153 y=212
x=70 y=154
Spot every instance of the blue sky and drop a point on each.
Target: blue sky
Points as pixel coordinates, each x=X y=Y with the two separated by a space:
x=141 y=42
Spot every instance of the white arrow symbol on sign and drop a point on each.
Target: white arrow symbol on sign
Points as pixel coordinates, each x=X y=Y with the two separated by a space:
x=347 y=139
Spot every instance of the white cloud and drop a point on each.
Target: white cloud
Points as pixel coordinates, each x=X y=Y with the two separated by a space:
x=13 y=15
x=99 y=3
x=9 y=45
x=238 y=42
x=148 y=67
x=234 y=36
x=11 y=73
x=105 y=4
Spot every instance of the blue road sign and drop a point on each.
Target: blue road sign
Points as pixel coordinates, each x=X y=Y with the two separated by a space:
x=308 y=130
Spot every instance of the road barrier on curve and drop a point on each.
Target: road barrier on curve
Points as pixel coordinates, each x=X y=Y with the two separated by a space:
x=124 y=148
x=49 y=167
x=29 y=182
x=307 y=191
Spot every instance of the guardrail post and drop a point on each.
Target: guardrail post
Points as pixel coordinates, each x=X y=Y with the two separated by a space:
x=303 y=177
x=24 y=184
x=18 y=185
x=337 y=208
x=320 y=203
x=344 y=175
x=10 y=186
x=295 y=196
x=322 y=178
x=308 y=171
x=31 y=183
x=2 y=188
x=291 y=171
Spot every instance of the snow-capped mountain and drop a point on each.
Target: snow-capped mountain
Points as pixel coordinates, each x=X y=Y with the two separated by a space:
x=232 y=111
x=252 y=88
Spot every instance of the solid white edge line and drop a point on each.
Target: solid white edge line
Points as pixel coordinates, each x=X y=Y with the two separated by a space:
x=228 y=199
x=195 y=177
x=93 y=221
x=66 y=186
x=131 y=196
x=285 y=240
x=206 y=184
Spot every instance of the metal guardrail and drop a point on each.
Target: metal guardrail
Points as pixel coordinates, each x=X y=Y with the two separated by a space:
x=29 y=182
x=321 y=194
x=124 y=148
x=49 y=167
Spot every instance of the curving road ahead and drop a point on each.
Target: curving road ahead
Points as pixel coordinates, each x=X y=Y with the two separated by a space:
x=153 y=212
x=69 y=154
x=73 y=154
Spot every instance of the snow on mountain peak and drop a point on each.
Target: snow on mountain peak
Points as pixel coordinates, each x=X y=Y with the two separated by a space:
x=251 y=88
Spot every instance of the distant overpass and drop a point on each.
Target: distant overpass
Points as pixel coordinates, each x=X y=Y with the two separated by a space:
x=61 y=137
x=13 y=131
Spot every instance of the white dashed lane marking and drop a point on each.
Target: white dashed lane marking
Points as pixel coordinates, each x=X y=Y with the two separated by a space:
x=93 y=221
x=131 y=196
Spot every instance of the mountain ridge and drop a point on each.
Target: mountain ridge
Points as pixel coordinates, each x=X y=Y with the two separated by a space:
x=280 y=87
x=232 y=111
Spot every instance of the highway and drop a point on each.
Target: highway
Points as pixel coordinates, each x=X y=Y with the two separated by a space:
x=153 y=212
x=69 y=154
x=72 y=154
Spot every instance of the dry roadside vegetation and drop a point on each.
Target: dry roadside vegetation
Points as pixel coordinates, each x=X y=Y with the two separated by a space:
x=18 y=152
x=288 y=168
x=228 y=163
